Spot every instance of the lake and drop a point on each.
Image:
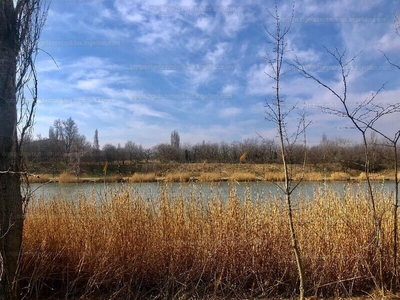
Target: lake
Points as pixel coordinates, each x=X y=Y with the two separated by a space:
x=252 y=190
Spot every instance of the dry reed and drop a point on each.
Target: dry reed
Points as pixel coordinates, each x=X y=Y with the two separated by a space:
x=274 y=176
x=374 y=176
x=132 y=247
x=143 y=177
x=243 y=176
x=311 y=176
x=39 y=178
x=210 y=177
x=67 y=178
x=339 y=176
x=177 y=177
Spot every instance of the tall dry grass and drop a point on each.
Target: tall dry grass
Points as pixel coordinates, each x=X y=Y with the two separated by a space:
x=39 y=178
x=128 y=246
x=65 y=177
x=274 y=176
x=143 y=177
x=177 y=177
x=210 y=177
x=339 y=176
x=243 y=176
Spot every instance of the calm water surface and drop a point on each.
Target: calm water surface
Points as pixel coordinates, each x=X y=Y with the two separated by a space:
x=253 y=190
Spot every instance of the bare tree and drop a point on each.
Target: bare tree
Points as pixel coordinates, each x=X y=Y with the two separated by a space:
x=70 y=133
x=96 y=146
x=393 y=142
x=277 y=112
x=21 y=22
x=363 y=115
x=175 y=139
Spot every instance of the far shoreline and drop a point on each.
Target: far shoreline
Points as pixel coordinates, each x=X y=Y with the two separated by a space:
x=214 y=172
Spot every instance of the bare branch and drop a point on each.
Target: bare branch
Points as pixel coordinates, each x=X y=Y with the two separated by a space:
x=388 y=60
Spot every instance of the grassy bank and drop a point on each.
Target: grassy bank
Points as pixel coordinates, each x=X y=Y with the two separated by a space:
x=126 y=246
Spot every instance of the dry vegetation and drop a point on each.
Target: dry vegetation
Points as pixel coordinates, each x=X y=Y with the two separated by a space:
x=268 y=172
x=274 y=176
x=67 y=178
x=210 y=177
x=127 y=246
x=243 y=177
x=177 y=177
x=143 y=177
x=205 y=172
x=39 y=178
x=339 y=176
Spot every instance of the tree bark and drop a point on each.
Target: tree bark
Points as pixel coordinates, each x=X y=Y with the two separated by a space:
x=11 y=219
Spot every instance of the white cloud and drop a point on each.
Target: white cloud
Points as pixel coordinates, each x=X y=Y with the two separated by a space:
x=220 y=52
x=229 y=112
x=258 y=83
x=234 y=22
x=206 y=24
x=130 y=11
x=195 y=43
x=230 y=89
x=144 y=110
x=389 y=42
x=89 y=84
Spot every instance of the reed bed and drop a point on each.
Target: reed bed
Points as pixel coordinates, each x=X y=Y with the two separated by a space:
x=176 y=247
x=311 y=176
x=375 y=177
x=143 y=177
x=177 y=177
x=111 y=178
x=67 y=178
x=210 y=177
x=339 y=176
x=39 y=178
x=243 y=176
x=274 y=176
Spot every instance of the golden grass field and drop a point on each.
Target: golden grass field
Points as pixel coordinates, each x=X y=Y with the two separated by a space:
x=129 y=247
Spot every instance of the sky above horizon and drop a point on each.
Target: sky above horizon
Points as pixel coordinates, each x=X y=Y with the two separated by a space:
x=136 y=71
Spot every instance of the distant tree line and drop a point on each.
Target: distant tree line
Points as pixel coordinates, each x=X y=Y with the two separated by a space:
x=66 y=150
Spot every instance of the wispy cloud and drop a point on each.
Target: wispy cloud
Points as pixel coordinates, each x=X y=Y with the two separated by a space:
x=216 y=52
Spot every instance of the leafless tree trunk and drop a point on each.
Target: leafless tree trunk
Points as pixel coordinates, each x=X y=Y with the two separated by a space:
x=363 y=116
x=396 y=203
x=20 y=26
x=277 y=113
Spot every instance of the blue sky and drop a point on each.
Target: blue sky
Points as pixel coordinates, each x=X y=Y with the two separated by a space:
x=139 y=70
